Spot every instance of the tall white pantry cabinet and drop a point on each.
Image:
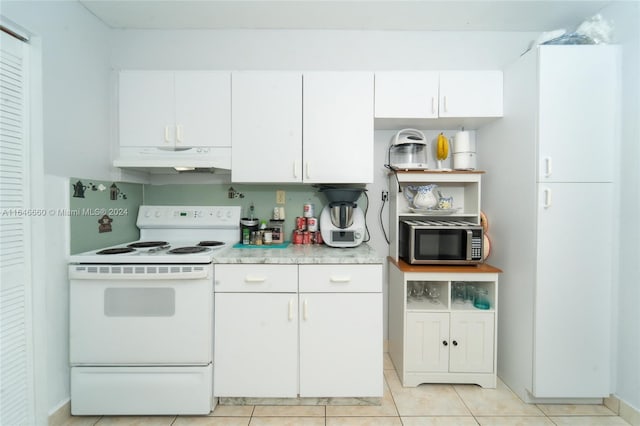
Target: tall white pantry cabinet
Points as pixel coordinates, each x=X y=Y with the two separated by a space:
x=554 y=149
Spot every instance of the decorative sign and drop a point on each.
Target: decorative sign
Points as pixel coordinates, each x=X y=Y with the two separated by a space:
x=105 y=224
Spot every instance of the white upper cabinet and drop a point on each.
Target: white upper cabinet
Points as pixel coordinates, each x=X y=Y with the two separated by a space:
x=406 y=94
x=432 y=99
x=175 y=109
x=470 y=94
x=317 y=127
x=266 y=127
x=572 y=146
x=338 y=127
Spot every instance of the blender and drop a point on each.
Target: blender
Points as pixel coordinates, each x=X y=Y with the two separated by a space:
x=342 y=222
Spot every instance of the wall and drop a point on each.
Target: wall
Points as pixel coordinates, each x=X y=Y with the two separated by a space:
x=86 y=213
x=70 y=119
x=315 y=50
x=625 y=17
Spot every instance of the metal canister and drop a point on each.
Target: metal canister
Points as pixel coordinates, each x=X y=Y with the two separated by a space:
x=319 y=239
x=297 y=237
x=306 y=237
x=312 y=224
x=308 y=210
x=301 y=223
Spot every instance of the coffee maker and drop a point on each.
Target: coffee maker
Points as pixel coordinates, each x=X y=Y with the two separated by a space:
x=342 y=222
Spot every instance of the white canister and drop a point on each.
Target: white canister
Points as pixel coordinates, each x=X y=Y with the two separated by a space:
x=462 y=142
x=309 y=210
x=312 y=224
x=464 y=160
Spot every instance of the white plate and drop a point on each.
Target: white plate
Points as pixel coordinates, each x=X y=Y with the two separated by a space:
x=434 y=212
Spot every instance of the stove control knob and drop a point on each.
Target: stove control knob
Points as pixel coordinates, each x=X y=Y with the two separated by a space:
x=147 y=214
x=219 y=213
x=158 y=213
x=229 y=214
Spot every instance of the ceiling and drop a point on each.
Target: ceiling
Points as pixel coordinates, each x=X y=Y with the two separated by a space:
x=413 y=15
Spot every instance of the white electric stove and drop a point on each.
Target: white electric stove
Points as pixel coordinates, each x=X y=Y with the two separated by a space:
x=141 y=315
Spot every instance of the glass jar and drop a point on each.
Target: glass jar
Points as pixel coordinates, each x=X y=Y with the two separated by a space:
x=482 y=299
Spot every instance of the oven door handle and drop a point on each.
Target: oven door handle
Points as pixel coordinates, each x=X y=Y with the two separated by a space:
x=249 y=279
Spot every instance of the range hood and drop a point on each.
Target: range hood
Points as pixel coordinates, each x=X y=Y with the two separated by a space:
x=157 y=160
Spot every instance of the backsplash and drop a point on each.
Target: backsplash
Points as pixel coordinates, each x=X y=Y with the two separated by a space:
x=102 y=213
x=263 y=198
x=91 y=200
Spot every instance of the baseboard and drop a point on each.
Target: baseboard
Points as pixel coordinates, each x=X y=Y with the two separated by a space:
x=61 y=415
x=628 y=413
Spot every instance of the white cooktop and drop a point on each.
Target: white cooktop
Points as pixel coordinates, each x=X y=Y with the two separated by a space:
x=178 y=227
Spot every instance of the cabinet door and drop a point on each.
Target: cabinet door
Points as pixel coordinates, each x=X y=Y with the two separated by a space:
x=427 y=342
x=471 y=342
x=573 y=290
x=256 y=345
x=470 y=94
x=203 y=108
x=267 y=127
x=406 y=95
x=341 y=345
x=338 y=127
x=146 y=112
x=577 y=113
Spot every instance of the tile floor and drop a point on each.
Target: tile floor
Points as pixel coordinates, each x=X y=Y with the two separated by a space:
x=426 y=405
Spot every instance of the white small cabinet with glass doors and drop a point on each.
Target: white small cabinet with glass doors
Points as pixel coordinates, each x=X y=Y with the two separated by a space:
x=442 y=323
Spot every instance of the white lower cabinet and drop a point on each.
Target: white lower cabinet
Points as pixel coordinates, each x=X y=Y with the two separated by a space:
x=323 y=339
x=450 y=342
x=256 y=345
x=442 y=338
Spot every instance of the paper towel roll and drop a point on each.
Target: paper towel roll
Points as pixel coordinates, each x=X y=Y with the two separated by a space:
x=462 y=142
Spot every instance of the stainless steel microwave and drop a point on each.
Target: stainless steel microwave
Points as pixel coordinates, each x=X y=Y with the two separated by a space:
x=439 y=242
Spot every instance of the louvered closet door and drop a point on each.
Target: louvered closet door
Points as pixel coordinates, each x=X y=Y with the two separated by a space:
x=16 y=399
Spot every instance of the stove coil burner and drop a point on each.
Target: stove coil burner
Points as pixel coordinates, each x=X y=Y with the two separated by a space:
x=210 y=243
x=148 y=244
x=118 y=250
x=188 y=250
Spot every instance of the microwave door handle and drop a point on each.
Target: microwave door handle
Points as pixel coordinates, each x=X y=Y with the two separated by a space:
x=469 y=242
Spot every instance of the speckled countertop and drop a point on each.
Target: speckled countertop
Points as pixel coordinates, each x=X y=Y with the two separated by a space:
x=300 y=254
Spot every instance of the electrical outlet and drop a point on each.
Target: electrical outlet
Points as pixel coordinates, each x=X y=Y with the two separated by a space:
x=385 y=195
x=280 y=197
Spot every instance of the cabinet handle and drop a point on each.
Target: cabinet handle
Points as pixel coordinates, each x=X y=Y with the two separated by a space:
x=305 y=313
x=445 y=343
x=340 y=279
x=166 y=134
x=444 y=104
x=433 y=105
x=547 y=167
x=454 y=343
x=179 y=133
x=290 y=309
x=307 y=170
x=547 y=198
x=295 y=169
x=251 y=280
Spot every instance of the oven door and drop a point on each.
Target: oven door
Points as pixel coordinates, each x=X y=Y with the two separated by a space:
x=442 y=245
x=141 y=314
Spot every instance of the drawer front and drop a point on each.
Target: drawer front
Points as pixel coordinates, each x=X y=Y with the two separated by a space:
x=253 y=278
x=340 y=278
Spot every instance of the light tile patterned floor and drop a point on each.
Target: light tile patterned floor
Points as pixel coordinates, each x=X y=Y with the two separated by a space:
x=425 y=405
